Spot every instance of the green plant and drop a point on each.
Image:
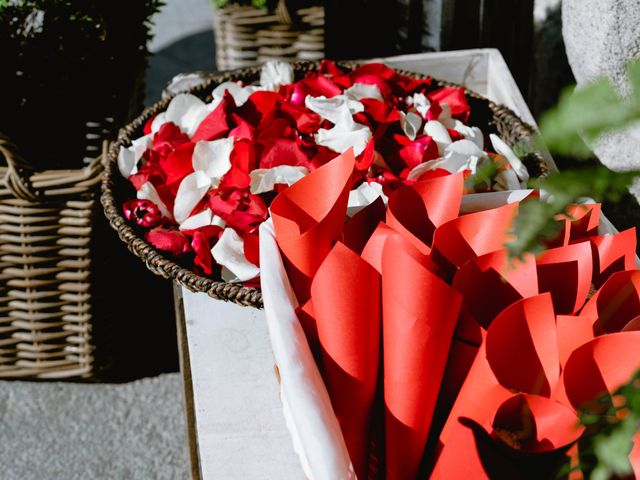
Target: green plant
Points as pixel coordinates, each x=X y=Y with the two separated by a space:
x=611 y=423
x=66 y=62
x=255 y=3
x=586 y=113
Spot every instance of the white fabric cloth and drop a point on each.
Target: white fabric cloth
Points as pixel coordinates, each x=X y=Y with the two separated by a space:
x=308 y=411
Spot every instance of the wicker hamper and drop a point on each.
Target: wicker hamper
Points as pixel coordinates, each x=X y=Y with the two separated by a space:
x=45 y=230
x=488 y=115
x=246 y=35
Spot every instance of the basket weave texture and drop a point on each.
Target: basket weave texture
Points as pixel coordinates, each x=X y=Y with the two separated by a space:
x=490 y=117
x=45 y=231
x=248 y=36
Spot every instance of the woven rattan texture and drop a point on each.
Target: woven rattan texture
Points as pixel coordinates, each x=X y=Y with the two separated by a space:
x=248 y=36
x=45 y=231
x=489 y=116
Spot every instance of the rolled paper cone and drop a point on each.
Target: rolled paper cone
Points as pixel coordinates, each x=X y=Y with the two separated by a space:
x=533 y=424
x=416 y=210
x=613 y=253
x=471 y=453
x=361 y=226
x=566 y=273
x=601 y=366
x=581 y=223
x=346 y=299
x=308 y=218
x=513 y=442
x=584 y=221
x=615 y=304
x=520 y=353
x=419 y=316
x=495 y=276
x=464 y=238
x=573 y=331
x=372 y=251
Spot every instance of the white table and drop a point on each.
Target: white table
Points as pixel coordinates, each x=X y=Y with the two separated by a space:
x=236 y=427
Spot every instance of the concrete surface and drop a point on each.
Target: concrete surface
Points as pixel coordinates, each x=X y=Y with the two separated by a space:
x=65 y=431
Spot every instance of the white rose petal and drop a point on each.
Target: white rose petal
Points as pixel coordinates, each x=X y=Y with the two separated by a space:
x=507 y=180
x=127 y=163
x=470 y=133
x=410 y=123
x=358 y=91
x=439 y=133
x=192 y=189
x=219 y=222
x=340 y=140
x=420 y=103
x=213 y=158
x=128 y=157
x=459 y=156
x=198 y=220
x=363 y=196
x=148 y=192
x=195 y=116
x=503 y=149
x=183 y=110
x=464 y=148
x=265 y=179
x=158 y=121
x=338 y=110
x=275 y=73
x=229 y=253
x=445 y=116
x=239 y=93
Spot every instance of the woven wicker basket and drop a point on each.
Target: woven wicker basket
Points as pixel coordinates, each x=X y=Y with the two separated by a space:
x=492 y=118
x=45 y=231
x=248 y=36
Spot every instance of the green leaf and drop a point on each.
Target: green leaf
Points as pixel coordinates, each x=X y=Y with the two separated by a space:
x=536 y=220
x=590 y=112
x=612 y=451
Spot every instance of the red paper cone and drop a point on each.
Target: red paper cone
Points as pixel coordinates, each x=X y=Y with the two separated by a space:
x=308 y=218
x=419 y=316
x=346 y=299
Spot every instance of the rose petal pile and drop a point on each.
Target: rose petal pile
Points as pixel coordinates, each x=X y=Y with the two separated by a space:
x=211 y=169
x=440 y=351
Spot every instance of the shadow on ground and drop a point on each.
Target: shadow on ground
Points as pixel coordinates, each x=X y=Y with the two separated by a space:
x=193 y=53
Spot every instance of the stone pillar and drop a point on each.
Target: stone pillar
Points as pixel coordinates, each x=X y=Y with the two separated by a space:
x=601 y=36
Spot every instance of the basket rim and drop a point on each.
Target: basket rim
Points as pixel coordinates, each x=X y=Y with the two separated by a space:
x=162 y=265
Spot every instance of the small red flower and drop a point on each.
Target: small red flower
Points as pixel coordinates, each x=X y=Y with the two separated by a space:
x=143 y=213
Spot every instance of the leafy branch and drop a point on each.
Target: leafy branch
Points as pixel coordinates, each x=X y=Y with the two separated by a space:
x=611 y=422
x=582 y=115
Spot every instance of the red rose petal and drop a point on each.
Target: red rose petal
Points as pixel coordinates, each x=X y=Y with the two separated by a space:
x=455 y=98
x=215 y=124
x=178 y=164
x=168 y=138
x=169 y=240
